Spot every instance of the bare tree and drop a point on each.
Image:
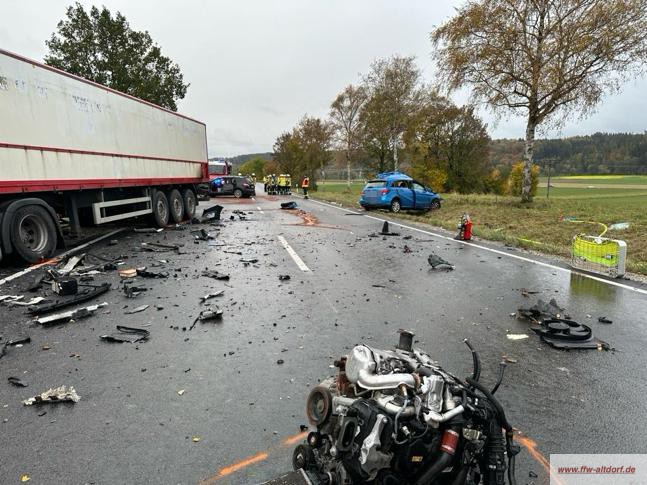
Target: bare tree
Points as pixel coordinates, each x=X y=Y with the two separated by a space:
x=344 y=114
x=545 y=58
x=394 y=89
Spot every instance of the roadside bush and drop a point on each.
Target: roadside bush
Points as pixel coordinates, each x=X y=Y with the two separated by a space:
x=515 y=179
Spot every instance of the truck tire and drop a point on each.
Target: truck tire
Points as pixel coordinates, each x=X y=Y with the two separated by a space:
x=176 y=205
x=33 y=233
x=190 y=203
x=160 y=208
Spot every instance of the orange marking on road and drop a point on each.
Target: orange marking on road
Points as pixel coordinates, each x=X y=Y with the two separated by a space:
x=531 y=446
x=290 y=440
x=234 y=467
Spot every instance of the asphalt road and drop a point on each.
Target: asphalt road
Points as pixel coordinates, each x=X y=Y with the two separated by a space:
x=244 y=409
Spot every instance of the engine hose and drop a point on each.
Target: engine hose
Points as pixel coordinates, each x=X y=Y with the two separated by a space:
x=512 y=480
x=432 y=472
x=397 y=416
x=476 y=373
x=499 y=409
x=495 y=451
x=462 y=476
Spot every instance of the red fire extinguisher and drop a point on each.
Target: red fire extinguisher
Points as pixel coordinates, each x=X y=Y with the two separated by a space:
x=465 y=228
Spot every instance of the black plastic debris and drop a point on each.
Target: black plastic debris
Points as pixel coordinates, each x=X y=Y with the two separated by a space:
x=406 y=249
x=127 y=334
x=201 y=235
x=605 y=320
x=12 y=343
x=87 y=293
x=542 y=310
x=284 y=277
x=65 y=286
x=144 y=273
x=16 y=381
x=385 y=230
x=211 y=214
x=35 y=282
x=289 y=205
x=436 y=261
x=215 y=275
x=561 y=333
x=132 y=291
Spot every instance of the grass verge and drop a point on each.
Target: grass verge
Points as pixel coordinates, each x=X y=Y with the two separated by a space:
x=540 y=225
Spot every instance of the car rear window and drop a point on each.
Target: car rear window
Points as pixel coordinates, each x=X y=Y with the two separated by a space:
x=375 y=184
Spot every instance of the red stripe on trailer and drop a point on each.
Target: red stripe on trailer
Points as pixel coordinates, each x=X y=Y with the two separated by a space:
x=75 y=151
x=21 y=186
x=92 y=83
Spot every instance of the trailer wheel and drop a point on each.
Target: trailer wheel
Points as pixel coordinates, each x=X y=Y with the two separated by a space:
x=33 y=233
x=176 y=204
x=190 y=203
x=160 y=208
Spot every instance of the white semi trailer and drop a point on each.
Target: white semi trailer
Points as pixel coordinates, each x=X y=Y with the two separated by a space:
x=74 y=150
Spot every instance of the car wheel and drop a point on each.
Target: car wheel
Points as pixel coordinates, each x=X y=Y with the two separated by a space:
x=435 y=205
x=395 y=205
x=238 y=193
x=176 y=205
x=160 y=209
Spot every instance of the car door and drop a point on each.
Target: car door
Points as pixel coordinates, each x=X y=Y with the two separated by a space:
x=422 y=196
x=227 y=185
x=405 y=193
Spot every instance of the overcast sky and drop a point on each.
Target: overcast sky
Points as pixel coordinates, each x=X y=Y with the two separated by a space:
x=257 y=66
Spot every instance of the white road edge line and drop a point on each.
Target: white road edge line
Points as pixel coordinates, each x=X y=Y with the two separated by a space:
x=492 y=250
x=259 y=209
x=299 y=262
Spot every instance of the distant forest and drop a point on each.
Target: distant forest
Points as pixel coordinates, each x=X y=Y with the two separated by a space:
x=601 y=153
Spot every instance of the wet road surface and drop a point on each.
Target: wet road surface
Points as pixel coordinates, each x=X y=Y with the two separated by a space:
x=238 y=416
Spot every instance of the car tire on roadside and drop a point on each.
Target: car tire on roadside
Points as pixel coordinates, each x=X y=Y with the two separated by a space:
x=435 y=205
x=238 y=193
x=176 y=206
x=190 y=203
x=160 y=209
x=33 y=233
x=395 y=206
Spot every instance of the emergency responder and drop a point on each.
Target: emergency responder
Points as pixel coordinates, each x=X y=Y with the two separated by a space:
x=305 y=184
x=254 y=178
x=265 y=180
x=288 y=184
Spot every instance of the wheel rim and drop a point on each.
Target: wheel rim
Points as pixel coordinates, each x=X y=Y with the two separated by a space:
x=395 y=206
x=238 y=194
x=177 y=206
x=435 y=204
x=33 y=233
x=190 y=205
x=162 y=212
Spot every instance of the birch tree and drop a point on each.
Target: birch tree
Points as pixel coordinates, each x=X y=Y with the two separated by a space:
x=545 y=59
x=344 y=115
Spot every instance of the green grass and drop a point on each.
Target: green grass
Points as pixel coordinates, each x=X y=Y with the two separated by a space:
x=599 y=179
x=539 y=225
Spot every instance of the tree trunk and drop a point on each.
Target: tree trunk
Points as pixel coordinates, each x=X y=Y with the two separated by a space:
x=395 y=154
x=526 y=184
x=348 y=166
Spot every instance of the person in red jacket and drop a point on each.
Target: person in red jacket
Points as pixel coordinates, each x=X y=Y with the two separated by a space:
x=305 y=184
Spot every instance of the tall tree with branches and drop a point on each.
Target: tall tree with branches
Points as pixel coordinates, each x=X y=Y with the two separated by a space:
x=104 y=48
x=546 y=59
x=344 y=115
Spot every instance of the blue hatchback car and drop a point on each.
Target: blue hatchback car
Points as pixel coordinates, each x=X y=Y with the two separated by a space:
x=397 y=191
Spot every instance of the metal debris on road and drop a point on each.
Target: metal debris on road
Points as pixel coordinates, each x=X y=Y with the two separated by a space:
x=144 y=273
x=54 y=395
x=525 y=292
x=604 y=320
x=140 y=308
x=436 y=261
x=128 y=273
x=71 y=264
x=88 y=293
x=34 y=301
x=517 y=336
x=127 y=334
x=215 y=275
x=8 y=298
x=148 y=230
x=211 y=295
x=249 y=260
x=14 y=342
x=70 y=315
x=16 y=381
